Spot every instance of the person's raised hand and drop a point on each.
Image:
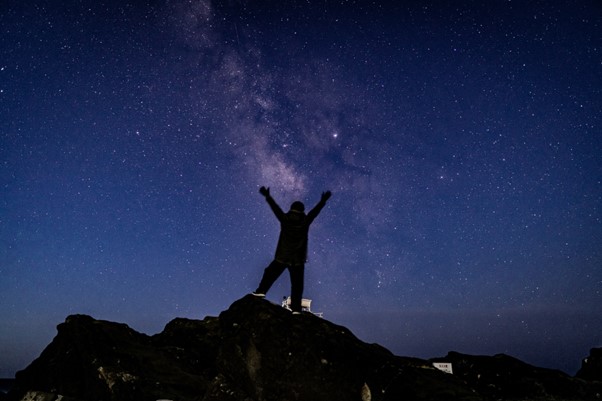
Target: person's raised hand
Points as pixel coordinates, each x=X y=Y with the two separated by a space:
x=326 y=195
x=264 y=191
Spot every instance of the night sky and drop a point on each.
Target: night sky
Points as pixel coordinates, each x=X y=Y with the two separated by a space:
x=461 y=141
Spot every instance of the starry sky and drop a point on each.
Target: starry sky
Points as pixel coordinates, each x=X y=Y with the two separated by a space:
x=461 y=141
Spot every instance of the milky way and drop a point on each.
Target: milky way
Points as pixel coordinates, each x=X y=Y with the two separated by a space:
x=461 y=143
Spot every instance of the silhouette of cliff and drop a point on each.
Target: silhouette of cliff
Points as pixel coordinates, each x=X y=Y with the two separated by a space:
x=591 y=367
x=253 y=351
x=502 y=377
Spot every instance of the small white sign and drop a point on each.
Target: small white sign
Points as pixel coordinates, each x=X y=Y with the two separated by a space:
x=444 y=367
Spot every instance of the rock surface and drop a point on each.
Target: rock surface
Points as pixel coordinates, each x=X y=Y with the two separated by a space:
x=591 y=367
x=257 y=351
x=502 y=377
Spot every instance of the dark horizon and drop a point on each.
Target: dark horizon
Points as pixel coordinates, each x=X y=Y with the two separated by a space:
x=431 y=345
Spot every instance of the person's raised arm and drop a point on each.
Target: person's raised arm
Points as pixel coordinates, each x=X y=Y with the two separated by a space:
x=313 y=213
x=273 y=205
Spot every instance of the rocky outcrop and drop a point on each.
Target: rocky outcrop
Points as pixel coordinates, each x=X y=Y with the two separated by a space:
x=591 y=367
x=97 y=360
x=502 y=377
x=258 y=351
x=253 y=351
x=274 y=355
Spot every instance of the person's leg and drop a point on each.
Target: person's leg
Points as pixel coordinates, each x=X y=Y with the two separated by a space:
x=270 y=274
x=296 y=273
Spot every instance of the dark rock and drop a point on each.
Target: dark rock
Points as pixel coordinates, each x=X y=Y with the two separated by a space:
x=267 y=353
x=258 y=351
x=254 y=351
x=5 y=386
x=502 y=377
x=97 y=360
x=591 y=367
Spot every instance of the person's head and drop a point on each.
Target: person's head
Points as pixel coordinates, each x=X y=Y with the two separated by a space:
x=297 y=206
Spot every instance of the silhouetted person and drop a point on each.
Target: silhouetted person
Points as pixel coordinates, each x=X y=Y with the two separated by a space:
x=291 y=251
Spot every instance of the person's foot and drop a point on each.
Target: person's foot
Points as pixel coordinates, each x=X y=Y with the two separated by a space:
x=296 y=313
x=258 y=294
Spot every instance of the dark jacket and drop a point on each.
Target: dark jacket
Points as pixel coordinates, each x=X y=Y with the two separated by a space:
x=294 y=229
